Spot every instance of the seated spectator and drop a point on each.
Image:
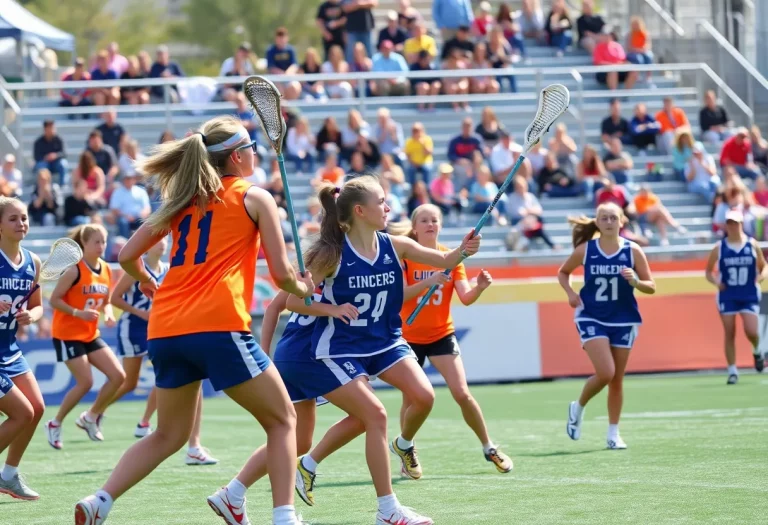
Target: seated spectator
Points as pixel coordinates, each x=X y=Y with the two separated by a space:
x=477 y=84
x=393 y=174
x=589 y=26
x=537 y=157
x=387 y=61
x=639 y=46
x=388 y=135
x=643 y=128
x=420 y=41
x=419 y=150
x=564 y=147
x=247 y=116
x=419 y=196
x=531 y=20
x=145 y=63
x=396 y=209
x=502 y=56
x=462 y=147
x=130 y=155
x=651 y=211
x=425 y=86
x=671 y=118
x=369 y=149
x=361 y=62
x=93 y=176
x=482 y=193
x=257 y=178
x=45 y=200
x=510 y=29
x=76 y=97
x=238 y=65
x=614 y=125
x=329 y=134
x=590 y=172
x=618 y=162
x=484 y=21
x=10 y=177
x=701 y=173
x=166 y=136
x=462 y=41
x=49 y=153
x=77 y=208
x=503 y=157
x=104 y=96
x=554 y=181
x=281 y=60
x=714 y=121
x=393 y=32
x=489 y=128
x=442 y=192
x=300 y=146
x=683 y=151
x=117 y=62
x=737 y=152
x=105 y=156
x=356 y=166
x=525 y=212
x=337 y=64
x=111 y=131
x=312 y=89
x=275 y=185
x=456 y=85
x=164 y=67
x=134 y=95
x=129 y=205
x=559 y=26
x=608 y=52
x=761 y=191
x=759 y=148
x=349 y=135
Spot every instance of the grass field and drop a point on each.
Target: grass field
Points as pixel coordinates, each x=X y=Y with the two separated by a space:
x=697 y=454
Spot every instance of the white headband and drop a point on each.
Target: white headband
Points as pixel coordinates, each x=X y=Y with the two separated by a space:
x=231 y=142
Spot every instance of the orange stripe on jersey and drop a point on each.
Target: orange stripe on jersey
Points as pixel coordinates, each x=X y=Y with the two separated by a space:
x=90 y=291
x=209 y=285
x=434 y=321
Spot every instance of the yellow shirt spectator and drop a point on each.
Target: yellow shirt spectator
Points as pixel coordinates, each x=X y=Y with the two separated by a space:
x=413 y=46
x=418 y=151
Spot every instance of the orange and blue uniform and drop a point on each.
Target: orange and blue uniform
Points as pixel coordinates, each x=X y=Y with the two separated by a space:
x=199 y=324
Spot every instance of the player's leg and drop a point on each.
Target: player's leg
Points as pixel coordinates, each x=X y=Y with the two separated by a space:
x=451 y=368
x=421 y=358
x=106 y=362
x=196 y=454
x=17 y=409
x=599 y=351
x=144 y=427
x=132 y=368
x=729 y=332
x=616 y=397
x=81 y=371
x=750 y=322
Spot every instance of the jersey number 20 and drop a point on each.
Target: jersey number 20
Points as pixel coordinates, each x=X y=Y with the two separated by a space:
x=204 y=225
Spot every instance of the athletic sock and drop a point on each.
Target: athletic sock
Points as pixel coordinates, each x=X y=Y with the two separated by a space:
x=388 y=504
x=193 y=451
x=732 y=370
x=309 y=463
x=284 y=514
x=8 y=472
x=403 y=444
x=756 y=350
x=105 y=498
x=236 y=492
x=487 y=447
x=55 y=422
x=613 y=431
x=579 y=409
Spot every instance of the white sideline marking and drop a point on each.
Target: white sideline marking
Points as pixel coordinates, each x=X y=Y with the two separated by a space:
x=713 y=412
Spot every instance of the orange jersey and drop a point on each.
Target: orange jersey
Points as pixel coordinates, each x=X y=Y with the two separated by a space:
x=434 y=321
x=90 y=291
x=209 y=285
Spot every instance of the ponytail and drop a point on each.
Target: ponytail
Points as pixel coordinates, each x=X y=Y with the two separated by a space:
x=325 y=252
x=584 y=229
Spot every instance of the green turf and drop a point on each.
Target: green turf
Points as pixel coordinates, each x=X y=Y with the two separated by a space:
x=697 y=454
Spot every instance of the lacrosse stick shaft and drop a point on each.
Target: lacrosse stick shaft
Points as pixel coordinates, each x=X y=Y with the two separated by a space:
x=292 y=219
x=478 y=227
x=27 y=297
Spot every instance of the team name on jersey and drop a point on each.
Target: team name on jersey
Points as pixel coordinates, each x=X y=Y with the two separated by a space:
x=606 y=269
x=12 y=283
x=422 y=275
x=102 y=289
x=378 y=280
x=740 y=260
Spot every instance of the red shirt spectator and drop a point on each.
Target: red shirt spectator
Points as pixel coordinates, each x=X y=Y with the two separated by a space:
x=737 y=150
x=612 y=193
x=75 y=95
x=608 y=52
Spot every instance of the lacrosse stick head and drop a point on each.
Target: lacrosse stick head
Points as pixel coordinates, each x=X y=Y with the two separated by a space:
x=265 y=99
x=553 y=102
x=65 y=253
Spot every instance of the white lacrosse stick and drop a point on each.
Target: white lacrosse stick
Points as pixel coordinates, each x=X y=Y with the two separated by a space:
x=553 y=102
x=65 y=253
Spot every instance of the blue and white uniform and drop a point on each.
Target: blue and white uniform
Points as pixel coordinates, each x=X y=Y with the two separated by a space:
x=738 y=271
x=131 y=329
x=372 y=343
x=16 y=280
x=609 y=306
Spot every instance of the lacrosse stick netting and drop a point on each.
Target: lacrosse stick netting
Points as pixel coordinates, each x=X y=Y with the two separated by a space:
x=65 y=253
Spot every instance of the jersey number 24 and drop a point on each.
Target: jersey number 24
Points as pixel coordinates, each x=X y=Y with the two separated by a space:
x=364 y=302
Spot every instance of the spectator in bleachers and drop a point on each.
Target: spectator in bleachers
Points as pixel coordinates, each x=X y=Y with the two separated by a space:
x=503 y=156
x=554 y=181
x=462 y=147
x=502 y=56
x=484 y=21
x=737 y=152
x=559 y=27
x=10 y=177
x=45 y=200
x=537 y=157
x=357 y=166
x=419 y=149
x=590 y=171
x=396 y=209
x=639 y=46
x=643 y=128
x=275 y=185
x=683 y=151
x=462 y=41
x=281 y=60
x=76 y=97
x=525 y=212
x=589 y=26
x=387 y=61
x=312 y=89
x=761 y=191
x=164 y=67
x=563 y=145
x=166 y=136
x=482 y=193
x=393 y=32
x=442 y=191
x=130 y=155
x=78 y=209
x=759 y=148
x=734 y=198
x=449 y=15
x=426 y=86
x=117 y=62
x=104 y=96
x=701 y=173
x=650 y=210
x=361 y=62
x=356 y=126
x=359 y=25
x=300 y=146
x=145 y=63
x=671 y=119
x=611 y=192
x=531 y=20
x=111 y=131
x=408 y=16
x=134 y=95
x=238 y=65
x=484 y=84
x=419 y=196
x=258 y=177
x=618 y=162
x=129 y=205
x=388 y=135
x=331 y=21
x=393 y=174
x=310 y=222
x=105 y=155
x=247 y=116
x=328 y=135
x=489 y=128
x=331 y=171
x=337 y=64
x=608 y=52
x=48 y=152
x=456 y=85
x=369 y=149
x=614 y=125
x=420 y=41
x=94 y=177
x=714 y=121
x=510 y=29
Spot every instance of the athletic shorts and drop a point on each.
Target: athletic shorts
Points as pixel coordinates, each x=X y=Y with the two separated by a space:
x=618 y=336
x=738 y=307
x=8 y=371
x=131 y=344
x=66 y=350
x=226 y=358
x=448 y=345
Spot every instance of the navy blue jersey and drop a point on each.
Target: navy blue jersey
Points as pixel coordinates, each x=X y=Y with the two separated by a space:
x=131 y=324
x=375 y=287
x=16 y=280
x=607 y=297
x=738 y=271
x=296 y=341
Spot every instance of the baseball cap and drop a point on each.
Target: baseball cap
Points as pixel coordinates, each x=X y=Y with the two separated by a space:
x=734 y=215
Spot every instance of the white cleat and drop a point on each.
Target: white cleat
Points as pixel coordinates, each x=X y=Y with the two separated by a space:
x=91 y=427
x=200 y=456
x=616 y=443
x=231 y=514
x=141 y=431
x=573 y=428
x=53 y=433
x=90 y=511
x=402 y=516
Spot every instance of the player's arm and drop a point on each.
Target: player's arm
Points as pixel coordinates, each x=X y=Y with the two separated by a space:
x=575 y=260
x=709 y=273
x=343 y=312
x=109 y=314
x=419 y=287
x=34 y=310
x=139 y=243
x=121 y=288
x=261 y=207
x=640 y=278
x=467 y=293
x=271 y=317
x=762 y=268
x=63 y=285
x=409 y=249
